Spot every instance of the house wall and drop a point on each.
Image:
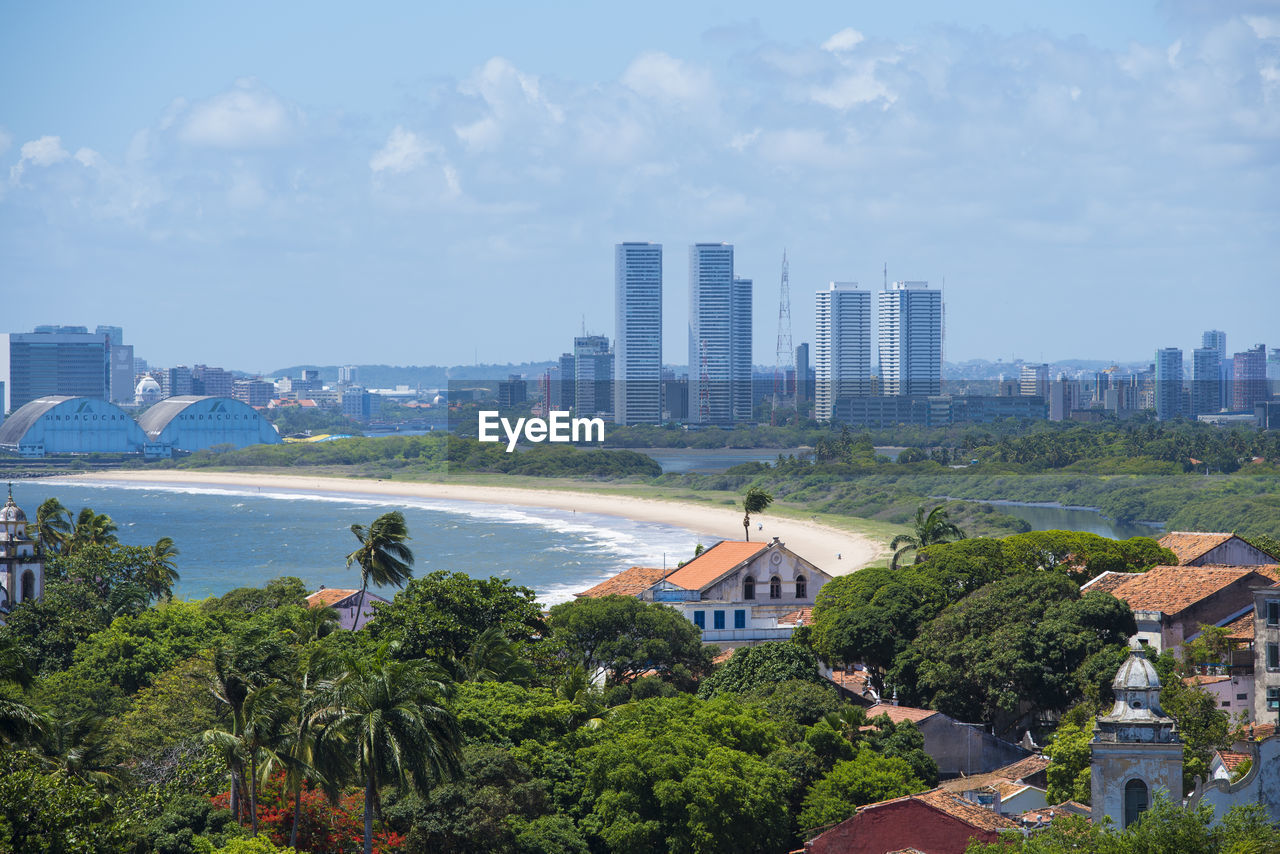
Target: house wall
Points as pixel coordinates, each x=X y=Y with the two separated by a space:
x=763 y=566
x=1029 y=798
x=963 y=749
x=1114 y=764
x=1233 y=696
x=1234 y=552
x=1265 y=680
x=1260 y=786
x=898 y=825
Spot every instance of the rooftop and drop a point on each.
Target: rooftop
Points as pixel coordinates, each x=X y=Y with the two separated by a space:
x=1232 y=759
x=1190 y=545
x=713 y=563
x=898 y=714
x=968 y=812
x=1173 y=589
x=1241 y=628
x=329 y=596
x=1204 y=679
x=629 y=582
x=1107 y=582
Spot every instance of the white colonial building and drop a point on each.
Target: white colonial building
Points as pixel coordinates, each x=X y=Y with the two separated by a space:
x=21 y=569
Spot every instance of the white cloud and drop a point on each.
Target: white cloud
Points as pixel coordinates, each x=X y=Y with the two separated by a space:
x=45 y=151
x=1264 y=27
x=404 y=152
x=247 y=116
x=511 y=99
x=660 y=76
x=846 y=39
x=859 y=86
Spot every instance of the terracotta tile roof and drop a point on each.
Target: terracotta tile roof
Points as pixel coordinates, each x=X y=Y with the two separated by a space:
x=1024 y=768
x=1204 y=679
x=328 y=596
x=1107 y=582
x=1241 y=628
x=858 y=682
x=1258 y=732
x=1009 y=788
x=1189 y=545
x=1042 y=817
x=974 y=782
x=713 y=563
x=970 y=813
x=898 y=714
x=795 y=618
x=1173 y=589
x=1232 y=759
x=629 y=582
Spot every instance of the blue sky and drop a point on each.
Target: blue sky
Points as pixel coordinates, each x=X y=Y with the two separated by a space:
x=255 y=185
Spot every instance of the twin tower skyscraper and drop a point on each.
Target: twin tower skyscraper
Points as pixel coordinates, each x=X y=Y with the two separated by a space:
x=719 y=385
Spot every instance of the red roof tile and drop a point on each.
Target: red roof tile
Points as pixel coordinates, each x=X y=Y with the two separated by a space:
x=713 y=563
x=1024 y=768
x=1204 y=679
x=803 y=616
x=1173 y=589
x=966 y=811
x=1190 y=545
x=1241 y=628
x=1106 y=582
x=629 y=582
x=898 y=714
x=328 y=596
x=1233 y=760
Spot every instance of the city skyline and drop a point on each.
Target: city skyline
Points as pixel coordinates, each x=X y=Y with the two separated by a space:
x=240 y=178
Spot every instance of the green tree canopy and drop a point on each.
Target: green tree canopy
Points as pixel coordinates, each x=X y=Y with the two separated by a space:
x=755 y=667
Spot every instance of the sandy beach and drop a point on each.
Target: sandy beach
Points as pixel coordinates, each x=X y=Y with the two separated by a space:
x=835 y=551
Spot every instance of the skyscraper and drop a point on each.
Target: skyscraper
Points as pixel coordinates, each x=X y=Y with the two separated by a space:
x=1168 y=383
x=719 y=337
x=637 y=387
x=1033 y=381
x=1206 y=381
x=1249 y=379
x=742 y=400
x=43 y=363
x=1216 y=340
x=909 y=317
x=592 y=375
x=804 y=389
x=842 y=346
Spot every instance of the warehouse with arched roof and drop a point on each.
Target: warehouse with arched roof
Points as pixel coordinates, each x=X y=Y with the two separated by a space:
x=194 y=422
x=59 y=424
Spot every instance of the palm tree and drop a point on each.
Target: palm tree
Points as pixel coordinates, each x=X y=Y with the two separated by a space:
x=92 y=529
x=391 y=714
x=253 y=736
x=926 y=531
x=383 y=557
x=160 y=572
x=755 y=501
x=53 y=526
x=492 y=658
x=18 y=721
x=76 y=743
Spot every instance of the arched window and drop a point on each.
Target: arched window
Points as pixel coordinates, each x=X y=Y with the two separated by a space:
x=28 y=585
x=802 y=587
x=749 y=588
x=1135 y=801
x=775 y=588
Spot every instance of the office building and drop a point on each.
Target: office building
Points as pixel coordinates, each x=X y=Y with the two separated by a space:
x=214 y=382
x=562 y=383
x=909 y=318
x=1168 y=384
x=1065 y=397
x=842 y=346
x=1033 y=381
x=255 y=393
x=41 y=364
x=592 y=376
x=513 y=391
x=719 y=337
x=1249 y=379
x=804 y=385
x=1206 y=381
x=637 y=389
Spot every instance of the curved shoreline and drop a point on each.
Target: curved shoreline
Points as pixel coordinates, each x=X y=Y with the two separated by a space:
x=818 y=543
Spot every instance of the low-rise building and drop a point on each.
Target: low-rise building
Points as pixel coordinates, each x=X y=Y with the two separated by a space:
x=1195 y=548
x=344 y=602
x=933 y=822
x=958 y=748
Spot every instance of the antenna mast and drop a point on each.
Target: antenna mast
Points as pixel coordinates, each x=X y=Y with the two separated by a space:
x=786 y=357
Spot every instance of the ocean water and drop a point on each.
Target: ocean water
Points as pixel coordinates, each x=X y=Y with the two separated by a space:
x=241 y=536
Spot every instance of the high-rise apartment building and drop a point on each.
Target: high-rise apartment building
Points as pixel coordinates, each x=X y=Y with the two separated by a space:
x=593 y=376
x=842 y=346
x=637 y=387
x=214 y=382
x=253 y=392
x=1033 y=381
x=1168 y=383
x=58 y=362
x=348 y=375
x=1206 y=381
x=909 y=319
x=719 y=337
x=1216 y=340
x=562 y=383
x=742 y=392
x=176 y=381
x=1249 y=379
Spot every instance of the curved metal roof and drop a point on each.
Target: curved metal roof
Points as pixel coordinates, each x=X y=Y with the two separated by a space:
x=17 y=424
x=158 y=417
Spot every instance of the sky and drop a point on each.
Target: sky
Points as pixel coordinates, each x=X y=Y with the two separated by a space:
x=255 y=185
